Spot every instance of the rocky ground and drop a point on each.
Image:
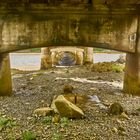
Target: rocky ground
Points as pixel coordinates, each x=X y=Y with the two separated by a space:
x=37 y=89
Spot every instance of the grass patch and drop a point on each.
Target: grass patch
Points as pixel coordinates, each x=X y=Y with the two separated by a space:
x=107 y=67
x=117 y=68
x=47 y=120
x=6 y=122
x=28 y=135
x=64 y=122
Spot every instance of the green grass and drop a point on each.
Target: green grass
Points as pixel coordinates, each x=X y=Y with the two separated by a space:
x=117 y=68
x=6 y=122
x=3 y=121
x=28 y=135
x=64 y=122
x=47 y=120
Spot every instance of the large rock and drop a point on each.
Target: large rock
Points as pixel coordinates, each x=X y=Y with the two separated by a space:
x=70 y=97
x=66 y=109
x=44 y=111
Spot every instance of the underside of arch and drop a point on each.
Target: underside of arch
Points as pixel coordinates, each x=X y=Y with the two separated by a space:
x=113 y=32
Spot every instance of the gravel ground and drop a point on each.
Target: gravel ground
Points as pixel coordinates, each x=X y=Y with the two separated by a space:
x=37 y=89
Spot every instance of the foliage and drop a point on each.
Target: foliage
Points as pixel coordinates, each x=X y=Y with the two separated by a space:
x=106 y=67
x=47 y=120
x=64 y=122
x=3 y=121
x=28 y=135
x=117 y=68
x=6 y=122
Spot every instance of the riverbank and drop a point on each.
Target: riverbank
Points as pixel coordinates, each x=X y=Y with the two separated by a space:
x=37 y=89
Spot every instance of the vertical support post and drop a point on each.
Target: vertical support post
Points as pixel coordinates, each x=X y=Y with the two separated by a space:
x=79 y=58
x=132 y=69
x=53 y=58
x=5 y=76
x=88 y=58
x=45 y=58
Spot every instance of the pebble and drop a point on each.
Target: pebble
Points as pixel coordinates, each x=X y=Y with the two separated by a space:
x=114 y=129
x=124 y=115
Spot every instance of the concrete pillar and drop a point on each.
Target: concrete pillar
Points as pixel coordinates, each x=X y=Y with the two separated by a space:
x=79 y=58
x=5 y=76
x=53 y=58
x=88 y=55
x=45 y=58
x=132 y=69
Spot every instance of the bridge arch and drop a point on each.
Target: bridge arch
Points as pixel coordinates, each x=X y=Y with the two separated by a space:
x=76 y=55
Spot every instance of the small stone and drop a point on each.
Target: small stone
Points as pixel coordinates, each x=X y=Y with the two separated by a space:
x=44 y=111
x=29 y=118
x=123 y=115
x=116 y=109
x=27 y=103
x=31 y=78
x=62 y=130
x=95 y=99
x=114 y=129
x=123 y=133
x=42 y=101
x=118 y=121
x=94 y=89
x=68 y=89
x=121 y=128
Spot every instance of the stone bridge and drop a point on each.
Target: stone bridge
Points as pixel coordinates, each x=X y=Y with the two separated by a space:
x=106 y=24
x=66 y=56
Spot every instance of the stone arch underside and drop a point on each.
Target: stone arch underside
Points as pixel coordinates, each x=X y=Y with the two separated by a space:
x=19 y=32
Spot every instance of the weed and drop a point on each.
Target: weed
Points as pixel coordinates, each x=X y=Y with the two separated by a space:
x=5 y=122
x=64 y=122
x=28 y=135
x=47 y=120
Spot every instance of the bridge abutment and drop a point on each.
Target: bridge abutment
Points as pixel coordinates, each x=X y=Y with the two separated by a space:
x=88 y=59
x=53 y=58
x=5 y=76
x=132 y=69
x=79 y=58
x=46 y=58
